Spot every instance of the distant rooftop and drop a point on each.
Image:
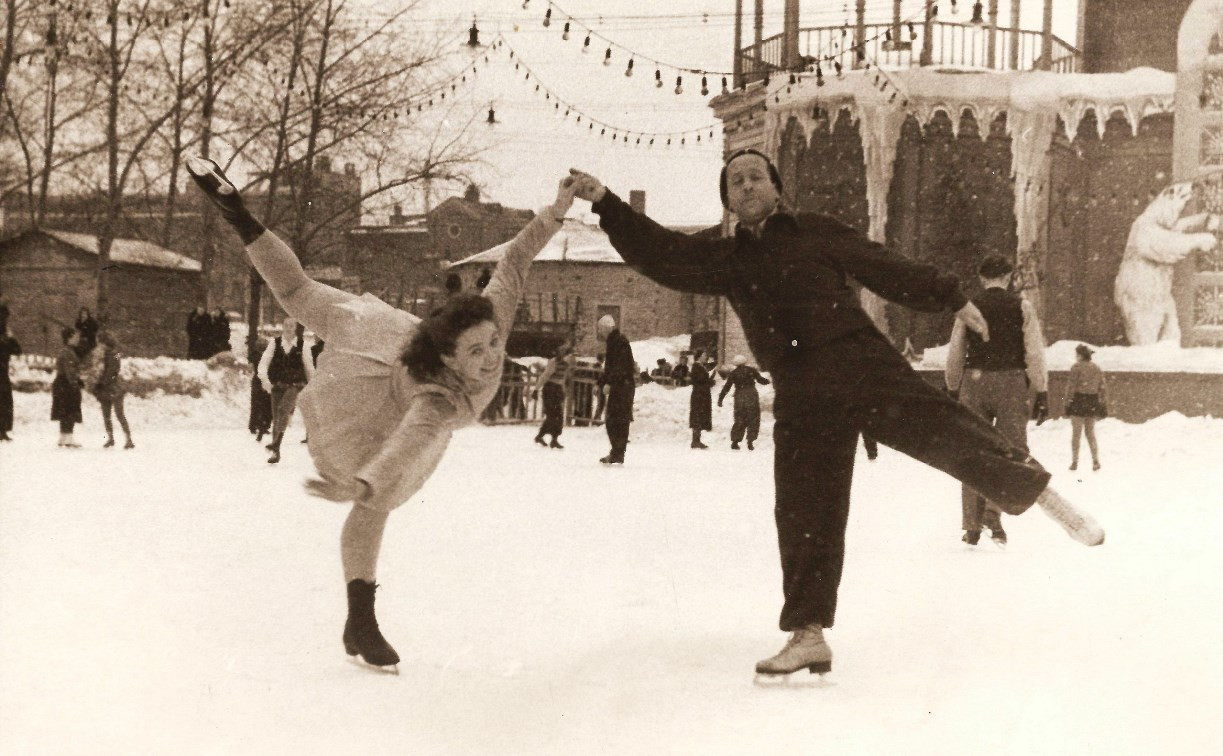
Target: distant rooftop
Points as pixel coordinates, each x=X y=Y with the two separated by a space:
x=131 y=251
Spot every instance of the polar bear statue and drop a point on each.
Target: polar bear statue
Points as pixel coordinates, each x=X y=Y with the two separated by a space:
x=1159 y=238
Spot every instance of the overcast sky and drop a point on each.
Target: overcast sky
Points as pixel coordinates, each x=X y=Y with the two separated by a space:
x=533 y=145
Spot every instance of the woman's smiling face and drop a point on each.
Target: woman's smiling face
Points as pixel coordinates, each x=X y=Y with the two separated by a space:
x=477 y=353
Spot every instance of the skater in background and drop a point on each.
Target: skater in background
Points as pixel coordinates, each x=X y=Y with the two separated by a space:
x=66 y=388
x=992 y=378
x=259 y=421
x=1087 y=404
x=391 y=389
x=284 y=373
x=681 y=372
x=87 y=326
x=108 y=387
x=700 y=401
x=9 y=348
x=619 y=376
x=218 y=332
x=834 y=374
x=554 y=378
x=747 y=401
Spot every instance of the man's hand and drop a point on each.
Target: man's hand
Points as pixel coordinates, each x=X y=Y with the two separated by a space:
x=588 y=187
x=972 y=318
x=1040 y=407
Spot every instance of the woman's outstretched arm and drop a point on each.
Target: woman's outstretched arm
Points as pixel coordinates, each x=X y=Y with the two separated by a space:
x=301 y=297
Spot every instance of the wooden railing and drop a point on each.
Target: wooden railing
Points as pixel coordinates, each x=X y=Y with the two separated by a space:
x=518 y=400
x=951 y=44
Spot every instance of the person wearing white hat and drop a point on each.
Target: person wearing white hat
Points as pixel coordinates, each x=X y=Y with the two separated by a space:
x=747 y=401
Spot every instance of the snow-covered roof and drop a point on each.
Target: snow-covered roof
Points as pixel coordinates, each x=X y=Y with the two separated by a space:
x=131 y=251
x=576 y=242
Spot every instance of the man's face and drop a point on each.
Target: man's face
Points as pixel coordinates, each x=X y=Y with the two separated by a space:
x=749 y=191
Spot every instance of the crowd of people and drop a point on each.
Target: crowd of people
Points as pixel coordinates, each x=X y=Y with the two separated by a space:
x=207 y=333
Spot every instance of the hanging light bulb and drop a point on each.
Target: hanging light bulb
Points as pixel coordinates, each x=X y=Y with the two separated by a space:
x=887 y=36
x=548 y=18
x=837 y=65
x=658 y=77
x=955 y=9
x=628 y=70
x=725 y=89
x=586 y=44
x=607 y=57
x=704 y=86
x=565 y=34
x=978 y=18
x=473 y=35
x=912 y=33
x=492 y=116
x=679 y=85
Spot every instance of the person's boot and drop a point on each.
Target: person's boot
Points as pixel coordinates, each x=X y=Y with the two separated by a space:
x=696 y=440
x=1095 y=465
x=749 y=446
x=5 y=437
x=128 y=444
x=275 y=447
x=60 y=443
x=1078 y=524
x=998 y=536
x=1074 y=463
x=806 y=649
x=361 y=634
x=539 y=439
x=110 y=441
x=971 y=537
x=734 y=445
x=555 y=444
x=70 y=442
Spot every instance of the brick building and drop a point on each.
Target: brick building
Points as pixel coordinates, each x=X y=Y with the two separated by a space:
x=578 y=278
x=47 y=276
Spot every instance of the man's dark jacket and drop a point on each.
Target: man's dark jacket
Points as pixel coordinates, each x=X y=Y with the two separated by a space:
x=790 y=287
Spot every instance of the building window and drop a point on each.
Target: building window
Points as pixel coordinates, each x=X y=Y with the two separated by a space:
x=454 y=230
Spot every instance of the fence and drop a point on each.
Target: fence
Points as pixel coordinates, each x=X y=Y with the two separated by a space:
x=518 y=401
x=35 y=362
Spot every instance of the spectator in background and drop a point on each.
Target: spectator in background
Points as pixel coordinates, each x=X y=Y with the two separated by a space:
x=1087 y=403
x=284 y=373
x=486 y=275
x=87 y=326
x=8 y=348
x=109 y=388
x=454 y=284
x=218 y=332
x=747 y=401
x=662 y=369
x=680 y=373
x=618 y=377
x=66 y=388
x=260 y=420
x=197 y=330
x=700 y=403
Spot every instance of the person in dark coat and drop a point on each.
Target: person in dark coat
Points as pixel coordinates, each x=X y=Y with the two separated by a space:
x=197 y=334
x=619 y=372
x=835 y=375
x=700 y=402
x=747 y=401
x=9 y=347
x=554 y=379
x=681 y=372
x=284 y=370
x=87 y=326
x=66 y=388
x=109 y=387
x=218 y=332
x=260 y=419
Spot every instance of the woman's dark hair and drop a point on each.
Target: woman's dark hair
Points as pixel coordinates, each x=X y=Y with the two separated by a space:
x=438 y=334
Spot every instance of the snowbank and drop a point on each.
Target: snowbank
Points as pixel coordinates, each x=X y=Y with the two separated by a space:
x=1164 y=357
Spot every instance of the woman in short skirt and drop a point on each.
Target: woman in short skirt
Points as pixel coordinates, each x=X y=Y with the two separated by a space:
x=1086 y=392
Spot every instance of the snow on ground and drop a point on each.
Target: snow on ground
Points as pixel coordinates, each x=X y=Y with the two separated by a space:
x=185 y=597
x=1163 y=357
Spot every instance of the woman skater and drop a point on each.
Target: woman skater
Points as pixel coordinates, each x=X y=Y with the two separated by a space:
x=1087 y=402
x=390 y=388
x=66 y=388
x=553 y=380
x=110 y=389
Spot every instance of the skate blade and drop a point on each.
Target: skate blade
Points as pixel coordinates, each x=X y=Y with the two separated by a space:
x=390 y=669
x=796 y=679
x=203 y=168
x=1079 y=525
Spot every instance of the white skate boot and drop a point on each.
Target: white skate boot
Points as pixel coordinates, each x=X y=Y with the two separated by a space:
x=806 y=649
x=1081 y=526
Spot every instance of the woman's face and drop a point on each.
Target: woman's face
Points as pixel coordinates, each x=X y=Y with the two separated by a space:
x=477 y=353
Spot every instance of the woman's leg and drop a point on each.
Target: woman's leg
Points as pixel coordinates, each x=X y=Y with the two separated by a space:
x=106 y=405
x=1089 y=427
x=361 y=542
x=1076 y=432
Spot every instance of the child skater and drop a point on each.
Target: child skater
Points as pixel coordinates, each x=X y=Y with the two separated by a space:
x=1087 y=402
x=390 y=389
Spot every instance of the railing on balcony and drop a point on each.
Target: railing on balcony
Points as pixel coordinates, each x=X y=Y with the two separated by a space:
x=950 y=44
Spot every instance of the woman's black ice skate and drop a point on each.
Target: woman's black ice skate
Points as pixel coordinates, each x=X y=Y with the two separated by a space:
x=361 y=634
x=555 y=444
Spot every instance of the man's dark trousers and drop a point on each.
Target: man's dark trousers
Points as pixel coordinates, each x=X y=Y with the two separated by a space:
x=825 y=396
x=619 y=414
x=1001 y=397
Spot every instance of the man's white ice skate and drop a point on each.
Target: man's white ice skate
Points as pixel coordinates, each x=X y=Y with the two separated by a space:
x=806 y=649
x=1081 y=526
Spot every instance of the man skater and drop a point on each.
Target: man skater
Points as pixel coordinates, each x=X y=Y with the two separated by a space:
x=619 y=373
x=284 y=373
x=747 y=401
x=835 y=375
x=992 y=378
